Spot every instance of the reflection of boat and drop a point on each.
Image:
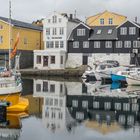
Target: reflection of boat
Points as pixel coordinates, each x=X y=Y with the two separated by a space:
x=10 y=87
x=17 y=103
x=12 y=127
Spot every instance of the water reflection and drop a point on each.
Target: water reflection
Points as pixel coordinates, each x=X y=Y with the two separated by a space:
x=103 y=108
x=10 y=125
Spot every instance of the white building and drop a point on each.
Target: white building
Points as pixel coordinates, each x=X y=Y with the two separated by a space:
x=56 y=29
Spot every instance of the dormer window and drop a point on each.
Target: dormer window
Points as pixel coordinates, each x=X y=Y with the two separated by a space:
x=110 y=31
x=102 y=21
x=81 y=32
x=132 y=30
x=99 y=32
x=123 y=30
x=54 y=19
x=110 y=21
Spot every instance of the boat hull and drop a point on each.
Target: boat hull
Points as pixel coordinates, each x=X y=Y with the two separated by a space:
x=116 y=78
x=133 y=81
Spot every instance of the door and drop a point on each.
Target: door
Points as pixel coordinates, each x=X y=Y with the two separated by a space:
x=45 y=61
x=85 y=60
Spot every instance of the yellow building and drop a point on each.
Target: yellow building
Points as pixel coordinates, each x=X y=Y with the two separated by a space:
x=30 y=38
x=106 y=18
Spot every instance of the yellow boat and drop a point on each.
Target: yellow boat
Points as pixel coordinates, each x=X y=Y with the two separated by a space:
x=12 y=128
x=17 y=103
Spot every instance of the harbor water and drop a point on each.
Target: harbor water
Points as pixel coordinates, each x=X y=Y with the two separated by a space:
x=72 y=109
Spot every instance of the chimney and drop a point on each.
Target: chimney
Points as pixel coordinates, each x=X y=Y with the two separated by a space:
x=136 y=19
x=71 y=16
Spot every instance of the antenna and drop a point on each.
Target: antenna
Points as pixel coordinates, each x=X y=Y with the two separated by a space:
x=9 y=33
x=75 y=12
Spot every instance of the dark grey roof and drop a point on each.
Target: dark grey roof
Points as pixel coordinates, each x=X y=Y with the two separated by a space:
x=76 y=20
x=22 y=24
x=137 y=24
x=104 y=33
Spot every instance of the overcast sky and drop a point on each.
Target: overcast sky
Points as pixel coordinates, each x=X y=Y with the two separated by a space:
x=30 y=10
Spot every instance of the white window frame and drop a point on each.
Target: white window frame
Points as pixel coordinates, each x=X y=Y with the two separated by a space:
x=136 y=44
x=108 y=44
x=61 y=44
x=127 y=44
x=47 y=31
x=96 y=104
x=61 y=30
x=132 y=30
x=81 y=32
x=107 y=105
x=119 y=44
x=74 y=103
x=102 y=21
x=97 y=44
x=118 y=106
x=79 y=115
x=99 y=32
x=75 y=44
x=86 y=44
x=123 y=31
x=1 y=39
x=110 y=31
x=54 y=31
x=85 y=104
x=126 y=107
x=110 y=21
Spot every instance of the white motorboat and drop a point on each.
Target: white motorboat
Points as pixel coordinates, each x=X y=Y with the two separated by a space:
x=104 y=70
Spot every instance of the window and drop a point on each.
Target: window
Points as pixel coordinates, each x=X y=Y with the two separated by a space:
x=95 y=104
x=107 y=105
x=51 y=44
x=56 y=102
x=38 y=59
x=102 y=21
x=61 y=30
x=79 y=115
x=60 y=102
x=54 y=19
x=110 y=21
x=85 y=104
x=96 y=44
x=61 y=44
x=60 y=20
x=56 y=44
x=118 y=44
x=126 y=106
x=127 y=44
x=130 y=120
x=47 y=44
x=25 y=41
x=123 y=30
x=135 y=107
x=132 y=30
x=122 y=119
x=61 y=88
x=54 y=31
x=118 y=106
x=61 y=60
x=49 y=20
x=136 y=44
x=38 y=87
x=1 y=27
x=47 y=31
x=60 y=115
x=75 y=44
x=85 y=44
x=110 y=31
x=108 y=44
x=52 y=88
x=52 y=59
x=74 y=103
x=81 y=32
x=45 y=86
x=99 y=32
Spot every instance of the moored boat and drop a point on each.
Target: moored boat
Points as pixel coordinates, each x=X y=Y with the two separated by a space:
x=116 y=78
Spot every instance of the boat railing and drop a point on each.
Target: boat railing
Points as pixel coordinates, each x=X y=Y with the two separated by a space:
x=6 y=84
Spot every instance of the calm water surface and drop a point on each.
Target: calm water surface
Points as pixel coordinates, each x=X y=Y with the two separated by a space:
x=69 y=109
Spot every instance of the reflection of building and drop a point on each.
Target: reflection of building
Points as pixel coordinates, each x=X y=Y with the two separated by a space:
x=125 y=109
x=54 y=115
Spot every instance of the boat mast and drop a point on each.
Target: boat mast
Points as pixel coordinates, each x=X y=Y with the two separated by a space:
x=9 y=33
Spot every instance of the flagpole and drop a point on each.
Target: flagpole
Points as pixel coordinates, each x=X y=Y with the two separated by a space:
x=9 y=33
